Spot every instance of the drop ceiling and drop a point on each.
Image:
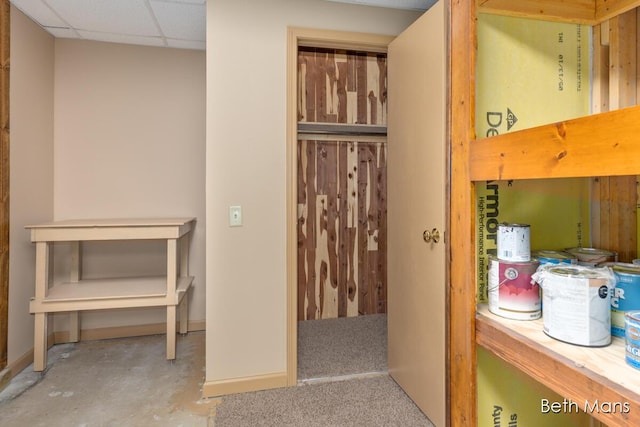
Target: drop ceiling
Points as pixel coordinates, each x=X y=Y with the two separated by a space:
x=165 y=23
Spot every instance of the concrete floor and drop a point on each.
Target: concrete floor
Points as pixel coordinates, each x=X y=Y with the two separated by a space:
x=120 y=382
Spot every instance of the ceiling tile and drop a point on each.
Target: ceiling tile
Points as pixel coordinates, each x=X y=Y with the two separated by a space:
x=62 y=33
x=39 y=12
x=130 y=17
x=184 y=1
x=187 y=44
x=122 y=38
x=185 y=21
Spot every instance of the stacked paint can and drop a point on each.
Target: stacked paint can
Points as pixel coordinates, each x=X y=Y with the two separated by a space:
x=577 y=303
x=592 y=256
x=554 y=257
x=632 y=338
x=511 y=292
x=626 y=294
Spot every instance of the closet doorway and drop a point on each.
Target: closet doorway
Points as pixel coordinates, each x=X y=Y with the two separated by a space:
x=340 y=206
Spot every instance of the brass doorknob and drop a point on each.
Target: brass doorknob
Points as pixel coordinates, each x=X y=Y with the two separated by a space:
x=431 y=236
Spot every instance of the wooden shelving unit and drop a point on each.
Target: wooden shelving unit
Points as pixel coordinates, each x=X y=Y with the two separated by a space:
x=79 y=294
x=601 y=145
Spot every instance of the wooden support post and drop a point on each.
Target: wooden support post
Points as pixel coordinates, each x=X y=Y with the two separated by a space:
x=462 y=384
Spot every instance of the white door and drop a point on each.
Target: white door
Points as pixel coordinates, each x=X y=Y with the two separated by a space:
x=417 y=196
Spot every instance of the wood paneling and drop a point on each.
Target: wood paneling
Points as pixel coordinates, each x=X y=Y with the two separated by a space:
x=342 y=266
x=341 y=185
x=340 y=86
x=4 y=178
x=614 y=198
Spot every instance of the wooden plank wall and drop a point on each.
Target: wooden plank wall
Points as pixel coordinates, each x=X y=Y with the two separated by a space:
x=339 y=86
x=342 y=260
x=614 y=199
x=4 y=179
x=342 y=226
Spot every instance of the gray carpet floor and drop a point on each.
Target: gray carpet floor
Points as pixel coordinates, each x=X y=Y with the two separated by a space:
x=342 y=372
x=359 y=402
x=342 y=347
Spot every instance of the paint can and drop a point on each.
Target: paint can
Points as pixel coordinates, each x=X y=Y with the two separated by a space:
x=632 y=338
x=626 y=294
x=514 y=242
x=576 y=305
x=554 y=257
x=512 y=293
x=592 y=256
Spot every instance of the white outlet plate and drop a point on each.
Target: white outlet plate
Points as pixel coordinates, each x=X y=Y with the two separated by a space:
x=235 y=216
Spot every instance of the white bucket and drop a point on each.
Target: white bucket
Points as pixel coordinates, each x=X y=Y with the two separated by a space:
x=576 y=303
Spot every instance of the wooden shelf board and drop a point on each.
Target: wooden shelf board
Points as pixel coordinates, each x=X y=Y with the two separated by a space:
x=95 y=294
x=582 y=374
x=598 y=145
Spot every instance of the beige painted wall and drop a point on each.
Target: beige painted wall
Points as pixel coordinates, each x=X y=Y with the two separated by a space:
x=31 y=179
x=102 y=130
x=129 y=135
x=246 y=165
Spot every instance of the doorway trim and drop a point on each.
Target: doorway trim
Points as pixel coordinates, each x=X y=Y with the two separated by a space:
x=5 y=35
x=297 y=37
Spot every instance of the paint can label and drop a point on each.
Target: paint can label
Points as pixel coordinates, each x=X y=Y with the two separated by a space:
x=512 y=292
x=632 y=338
x=625 y=296
x=514 y=242
x=576 y=305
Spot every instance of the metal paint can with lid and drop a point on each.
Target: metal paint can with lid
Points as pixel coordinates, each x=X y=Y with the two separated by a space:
x=554 y=257
x=632 y=338
x=511 y=291
x=514 y=242
x=576 y=305
x=626 y=294
x=592 y=256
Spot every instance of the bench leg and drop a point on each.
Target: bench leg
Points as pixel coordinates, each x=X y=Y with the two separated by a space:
x=74 y=326
x=40 y=342
x=184 y=314
x=171 y=332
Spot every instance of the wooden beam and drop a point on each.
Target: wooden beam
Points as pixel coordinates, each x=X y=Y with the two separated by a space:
x=577 y=11
x=588 y=12
x=607 y=9
x=561 y=150
x=462 y=386
x=4 y=179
